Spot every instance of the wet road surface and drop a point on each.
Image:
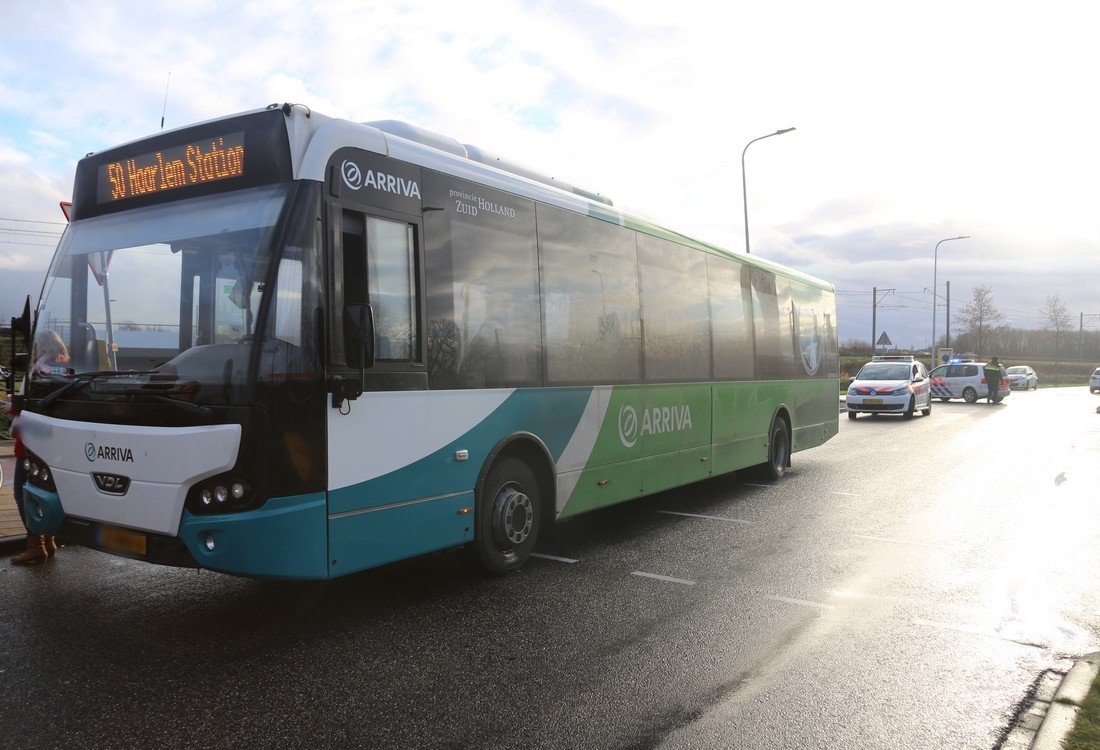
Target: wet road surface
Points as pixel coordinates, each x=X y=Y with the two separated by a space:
x=902 y=587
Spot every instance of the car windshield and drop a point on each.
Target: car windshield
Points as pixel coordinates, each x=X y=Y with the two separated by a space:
x=1017 y=371
x=884 y=371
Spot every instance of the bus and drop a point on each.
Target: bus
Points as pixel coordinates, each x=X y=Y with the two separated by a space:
x=285 y=345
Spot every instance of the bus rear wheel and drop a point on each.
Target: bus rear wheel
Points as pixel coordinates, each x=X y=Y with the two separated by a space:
x=779 y=452
x=507 y=522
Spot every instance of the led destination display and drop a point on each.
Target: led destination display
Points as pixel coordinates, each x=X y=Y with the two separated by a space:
x=217 y=158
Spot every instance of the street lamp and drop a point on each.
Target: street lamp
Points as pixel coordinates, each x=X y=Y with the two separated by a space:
x=935 y=291
x=744 y=191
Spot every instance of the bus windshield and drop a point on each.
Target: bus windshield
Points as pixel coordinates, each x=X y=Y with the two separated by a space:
x=142 y=290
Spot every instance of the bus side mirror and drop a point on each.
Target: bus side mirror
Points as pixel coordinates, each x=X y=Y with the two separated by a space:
x=359 y=351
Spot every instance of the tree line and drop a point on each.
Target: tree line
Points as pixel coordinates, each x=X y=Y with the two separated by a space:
x=980 y=330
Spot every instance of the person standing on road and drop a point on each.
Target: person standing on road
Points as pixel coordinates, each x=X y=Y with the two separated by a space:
x=40 y=547
x=993 y=374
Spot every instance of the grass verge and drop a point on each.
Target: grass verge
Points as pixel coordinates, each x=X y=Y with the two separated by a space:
x=1086 y=732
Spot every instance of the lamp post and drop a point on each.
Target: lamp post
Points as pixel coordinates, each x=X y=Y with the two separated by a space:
x=935 y=292
x=744 y=191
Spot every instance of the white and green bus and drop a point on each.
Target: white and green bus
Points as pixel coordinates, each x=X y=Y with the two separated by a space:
x=285 y=345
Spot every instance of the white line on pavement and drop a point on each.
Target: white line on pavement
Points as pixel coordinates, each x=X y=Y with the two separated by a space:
x=801 y=602
x=554 y=557
x=700 y=515
x=904 y=541
x=663 y=578
x=764 y=486
x=846 y=494
x=977 y=631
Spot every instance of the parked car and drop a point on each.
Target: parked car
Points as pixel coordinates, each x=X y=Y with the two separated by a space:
x=1094 y=381
x=965 y=380
x=890 y=385
x=1022 y=376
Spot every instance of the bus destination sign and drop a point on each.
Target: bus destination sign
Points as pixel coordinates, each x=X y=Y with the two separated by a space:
x=217 y=158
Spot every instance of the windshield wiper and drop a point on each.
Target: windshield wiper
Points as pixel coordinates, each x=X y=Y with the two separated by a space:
x=82 y=380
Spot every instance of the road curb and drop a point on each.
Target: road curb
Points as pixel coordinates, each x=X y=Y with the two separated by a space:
x=1062 y=715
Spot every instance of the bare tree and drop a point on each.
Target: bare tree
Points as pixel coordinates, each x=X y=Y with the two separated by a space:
x=980 y=315
x=1056 y=319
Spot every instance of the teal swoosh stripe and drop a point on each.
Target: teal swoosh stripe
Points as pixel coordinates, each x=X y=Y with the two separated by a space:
x=555 y=411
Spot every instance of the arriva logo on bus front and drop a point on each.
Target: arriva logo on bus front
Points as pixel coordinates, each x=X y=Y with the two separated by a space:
x=654 y=421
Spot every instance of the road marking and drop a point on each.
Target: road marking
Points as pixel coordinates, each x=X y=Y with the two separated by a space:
x=700 y=515
x=846 y=494
x=663 y=578
x=554 y=557
x=904 y=541
x=764 y=486
x=801 y=602
x=978 y=631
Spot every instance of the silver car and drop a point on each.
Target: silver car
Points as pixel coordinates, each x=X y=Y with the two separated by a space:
x=1022 y=376
x=1094 y=381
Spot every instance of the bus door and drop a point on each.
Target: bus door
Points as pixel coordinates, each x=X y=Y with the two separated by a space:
x=377 y=364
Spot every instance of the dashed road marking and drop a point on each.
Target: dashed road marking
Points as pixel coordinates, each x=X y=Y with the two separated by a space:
x=663 y=578
x=700 y=515
x=801 y=602
x=541 y=556
x=764 y=486
x=978 y=631
x=904 y=541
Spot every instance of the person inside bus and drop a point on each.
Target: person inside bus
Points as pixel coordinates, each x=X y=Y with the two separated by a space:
x=50 y=356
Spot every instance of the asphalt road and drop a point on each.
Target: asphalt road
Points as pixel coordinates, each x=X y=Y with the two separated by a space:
x=902 y=587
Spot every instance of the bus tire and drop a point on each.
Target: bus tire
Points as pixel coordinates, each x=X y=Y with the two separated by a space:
x=508 y=513
x=779 y=451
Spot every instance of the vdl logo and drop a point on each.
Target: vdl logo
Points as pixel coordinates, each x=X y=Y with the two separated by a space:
x=353 y=176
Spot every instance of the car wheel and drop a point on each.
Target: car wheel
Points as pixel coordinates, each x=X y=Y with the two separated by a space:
x=507 y=521
x=851 y=414
x=912 y=407
x=970 y=395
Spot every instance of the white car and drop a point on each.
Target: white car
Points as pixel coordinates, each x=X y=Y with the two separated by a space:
x=1022 y=376
x=965 y=380
x=890 y=385
x=1094 y=381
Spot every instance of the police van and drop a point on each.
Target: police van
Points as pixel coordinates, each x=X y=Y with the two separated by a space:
x=965 y=379
x=890 y=384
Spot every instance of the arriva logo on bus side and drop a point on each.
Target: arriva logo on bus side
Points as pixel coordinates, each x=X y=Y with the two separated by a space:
x=355 y=178
x=659 y=419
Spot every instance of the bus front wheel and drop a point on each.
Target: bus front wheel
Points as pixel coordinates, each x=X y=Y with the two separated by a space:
x=507 y=521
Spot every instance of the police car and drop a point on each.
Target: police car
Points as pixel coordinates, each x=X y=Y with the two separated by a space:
x=892 y=384
x=965 y=379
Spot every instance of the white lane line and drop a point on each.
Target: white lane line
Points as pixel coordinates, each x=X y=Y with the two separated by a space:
x=663 y=578
x=904 y=541
x=977 y=631
x=764 y=486
x=700 y=515
x=801 y=602
x=846 y=494
x=554 y=557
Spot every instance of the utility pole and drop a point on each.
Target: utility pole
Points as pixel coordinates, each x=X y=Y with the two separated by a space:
x=1081 y=332
x=948 y=314
x=874 y=313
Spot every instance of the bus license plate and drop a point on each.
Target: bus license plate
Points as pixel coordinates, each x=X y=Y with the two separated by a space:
x=122 y=540
x=873 y=401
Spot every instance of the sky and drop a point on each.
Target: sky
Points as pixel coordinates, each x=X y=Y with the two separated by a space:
x=914 y=123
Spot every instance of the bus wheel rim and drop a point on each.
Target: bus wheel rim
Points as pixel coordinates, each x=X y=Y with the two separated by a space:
x=513 y=517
